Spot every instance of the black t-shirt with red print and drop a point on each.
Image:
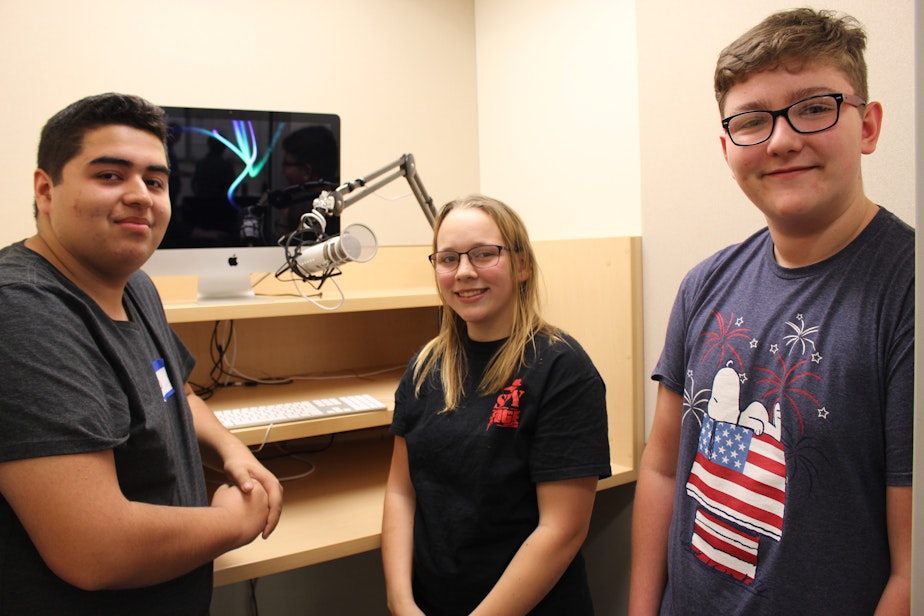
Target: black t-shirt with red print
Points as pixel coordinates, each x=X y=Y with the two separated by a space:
x=475 y=470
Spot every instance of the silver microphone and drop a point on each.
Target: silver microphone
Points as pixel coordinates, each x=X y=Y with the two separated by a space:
x=355 y=243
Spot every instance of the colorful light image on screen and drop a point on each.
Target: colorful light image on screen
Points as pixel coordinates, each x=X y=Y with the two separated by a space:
x=245 y=147
x=228 y=166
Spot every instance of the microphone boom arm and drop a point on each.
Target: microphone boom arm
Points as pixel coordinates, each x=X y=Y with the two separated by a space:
x=335 y=201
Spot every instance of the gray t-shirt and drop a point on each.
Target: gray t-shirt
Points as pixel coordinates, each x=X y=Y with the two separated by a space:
x=75 y=381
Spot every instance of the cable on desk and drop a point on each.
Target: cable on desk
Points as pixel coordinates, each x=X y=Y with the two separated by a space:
x=222 y=371
x=293 y=456
x=265 y=437
x=285 y=452
x=311 y=468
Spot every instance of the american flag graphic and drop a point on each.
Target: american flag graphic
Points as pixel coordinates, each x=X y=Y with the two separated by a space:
x=740 y=477
x=725 y=547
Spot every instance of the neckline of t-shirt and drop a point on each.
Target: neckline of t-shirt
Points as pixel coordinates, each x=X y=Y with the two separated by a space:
x=864 y=238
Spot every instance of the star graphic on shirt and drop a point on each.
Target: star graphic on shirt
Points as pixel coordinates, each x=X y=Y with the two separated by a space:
x=816 y=357
x=739 y=321
x=774 y=348
x=822 y=413
x=753 y=343
x=743 y=377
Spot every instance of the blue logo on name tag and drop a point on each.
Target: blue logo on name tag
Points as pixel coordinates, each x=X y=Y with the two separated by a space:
x=160 y=371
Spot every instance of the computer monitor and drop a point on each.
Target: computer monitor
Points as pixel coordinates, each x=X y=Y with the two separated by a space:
x=241 y=180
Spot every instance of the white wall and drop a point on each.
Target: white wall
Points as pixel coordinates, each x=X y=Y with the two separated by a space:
x=401 y=75
x=558 y=114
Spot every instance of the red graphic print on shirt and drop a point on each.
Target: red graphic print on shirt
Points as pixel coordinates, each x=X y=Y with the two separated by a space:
x=506 y=413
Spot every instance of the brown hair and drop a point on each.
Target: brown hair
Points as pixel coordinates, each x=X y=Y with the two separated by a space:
x=62 y=136
x=795 y=38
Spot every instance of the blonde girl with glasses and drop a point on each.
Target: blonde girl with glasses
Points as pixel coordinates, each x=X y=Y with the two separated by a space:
x=500 y=438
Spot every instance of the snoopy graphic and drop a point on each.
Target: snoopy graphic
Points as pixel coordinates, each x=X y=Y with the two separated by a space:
x=723 y=406
x=738 y=479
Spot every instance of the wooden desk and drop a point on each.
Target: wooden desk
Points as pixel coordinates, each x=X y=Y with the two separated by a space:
x=381 y=386
x=336 y=511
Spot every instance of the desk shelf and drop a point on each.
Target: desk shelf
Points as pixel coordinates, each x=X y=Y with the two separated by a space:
x=381 y=386
x=273 y=304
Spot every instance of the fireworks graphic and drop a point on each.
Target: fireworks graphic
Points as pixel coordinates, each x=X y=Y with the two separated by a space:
x=803 y=460
x=786 y=385
x=801 y=335
x=694 y=403
x=721 y=340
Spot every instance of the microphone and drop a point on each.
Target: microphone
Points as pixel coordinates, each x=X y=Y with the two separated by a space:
x=356 y=243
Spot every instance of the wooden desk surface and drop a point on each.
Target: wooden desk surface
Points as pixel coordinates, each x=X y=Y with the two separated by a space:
x=336 y=511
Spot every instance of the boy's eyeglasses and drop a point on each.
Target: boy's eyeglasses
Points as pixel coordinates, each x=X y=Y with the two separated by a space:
x=481 y=257
x=810 y=115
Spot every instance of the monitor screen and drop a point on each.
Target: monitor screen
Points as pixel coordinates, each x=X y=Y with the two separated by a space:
x=240 y=181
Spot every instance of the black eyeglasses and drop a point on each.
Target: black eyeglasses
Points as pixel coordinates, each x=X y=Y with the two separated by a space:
x=481 y=257
x=810 y=115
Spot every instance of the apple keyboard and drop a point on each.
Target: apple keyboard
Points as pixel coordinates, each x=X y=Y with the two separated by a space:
x=297 y=411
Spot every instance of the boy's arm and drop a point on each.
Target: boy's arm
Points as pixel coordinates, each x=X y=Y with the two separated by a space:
x=222 y=451
x=896 y=598
x=94 y=538
x=654 y=505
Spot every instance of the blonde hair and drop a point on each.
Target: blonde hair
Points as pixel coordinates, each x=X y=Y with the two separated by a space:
x=795 y=38
x=446 y=352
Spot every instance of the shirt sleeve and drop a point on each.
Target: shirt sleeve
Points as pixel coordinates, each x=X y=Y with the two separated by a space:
x=58 y=388
x=570 y=438
x=404 y=398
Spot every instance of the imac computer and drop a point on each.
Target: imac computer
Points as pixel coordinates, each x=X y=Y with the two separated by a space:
x=240 y=181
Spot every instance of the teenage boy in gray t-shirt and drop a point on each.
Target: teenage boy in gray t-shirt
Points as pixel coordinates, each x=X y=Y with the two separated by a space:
x=104 y=508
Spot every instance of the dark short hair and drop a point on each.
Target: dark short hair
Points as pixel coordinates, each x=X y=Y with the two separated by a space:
x=62 y=136
x=793 y=39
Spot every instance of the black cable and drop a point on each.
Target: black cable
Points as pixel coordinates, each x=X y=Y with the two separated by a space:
x=254 y=606
x=285 y=452
x=217 y=352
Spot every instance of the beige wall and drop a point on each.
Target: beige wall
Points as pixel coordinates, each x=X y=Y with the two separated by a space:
x=558 y=114
x=401 y=74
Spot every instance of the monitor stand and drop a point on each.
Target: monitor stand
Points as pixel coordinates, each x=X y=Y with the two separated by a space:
x=227 y=288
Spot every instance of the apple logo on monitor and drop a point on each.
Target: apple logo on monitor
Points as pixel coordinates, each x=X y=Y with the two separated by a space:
x=232 y=260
